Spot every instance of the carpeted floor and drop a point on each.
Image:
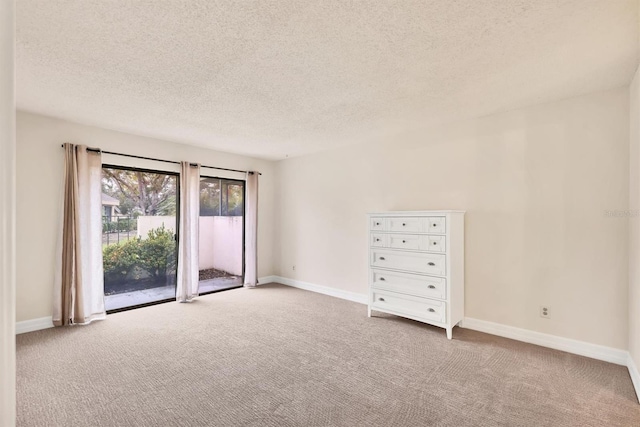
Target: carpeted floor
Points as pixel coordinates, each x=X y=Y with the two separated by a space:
x=278 y=356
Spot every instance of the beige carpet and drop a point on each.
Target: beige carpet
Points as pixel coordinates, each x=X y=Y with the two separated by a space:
x=278 y=356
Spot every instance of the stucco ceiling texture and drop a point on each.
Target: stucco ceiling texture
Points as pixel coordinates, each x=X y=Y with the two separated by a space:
x=285 y=78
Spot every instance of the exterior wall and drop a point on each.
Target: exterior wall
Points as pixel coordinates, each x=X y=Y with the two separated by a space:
x=227 y=244
x=148 y=223
x=205 y=243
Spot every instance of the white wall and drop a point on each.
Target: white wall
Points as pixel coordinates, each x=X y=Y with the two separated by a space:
x=634 y=217
x=7 y=217
x=536 y=184
x=39 y=179
x=148 y=223
x=226 y=239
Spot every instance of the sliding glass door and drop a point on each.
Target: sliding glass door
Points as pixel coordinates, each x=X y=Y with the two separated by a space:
x=139 y=246
x=221 y=247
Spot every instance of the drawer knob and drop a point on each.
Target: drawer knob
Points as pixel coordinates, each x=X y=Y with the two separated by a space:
x=431 y=310
x=381 y=258
x=431 y=264
x=431 y=287
x=377 y=240
x=382 y=279
x=435 y=243
x=404 y=241
x=377 y=223
x=435 y=225
x=403 y=224
x=381 y=299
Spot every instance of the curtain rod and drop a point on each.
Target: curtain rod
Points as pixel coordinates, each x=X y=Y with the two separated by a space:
x=97 y=150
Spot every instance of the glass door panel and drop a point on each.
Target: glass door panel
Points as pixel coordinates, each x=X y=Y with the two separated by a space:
x=221 y=250
x=139 y=244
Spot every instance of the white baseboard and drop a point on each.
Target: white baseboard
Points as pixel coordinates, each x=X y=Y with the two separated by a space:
x=47 y=322
x=338 y=293
x=267 y=279
x=34 y=325
x=635 y=376
x=594 y=351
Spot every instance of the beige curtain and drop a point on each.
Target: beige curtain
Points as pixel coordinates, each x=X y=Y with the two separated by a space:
x=188 y=232
x=79 y=280
x=251 y=231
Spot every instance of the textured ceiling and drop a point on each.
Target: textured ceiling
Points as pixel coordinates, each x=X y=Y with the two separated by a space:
x=285 y=78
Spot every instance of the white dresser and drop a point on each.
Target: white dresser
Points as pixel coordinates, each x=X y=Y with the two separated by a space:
x=416 y=265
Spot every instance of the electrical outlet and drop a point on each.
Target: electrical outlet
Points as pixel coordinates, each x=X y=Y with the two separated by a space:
x=293 y=268
x=545 y=312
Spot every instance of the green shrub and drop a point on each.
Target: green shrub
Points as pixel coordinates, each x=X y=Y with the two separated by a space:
x=128 y=224
x=120 y=259
x=119 y=225
x=108 y=227
x=158 y=252
x=156 y=255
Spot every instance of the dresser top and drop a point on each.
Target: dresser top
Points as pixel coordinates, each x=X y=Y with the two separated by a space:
x=415 y=213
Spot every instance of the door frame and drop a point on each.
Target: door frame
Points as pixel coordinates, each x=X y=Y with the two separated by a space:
x=244 y=211
x=177 y=231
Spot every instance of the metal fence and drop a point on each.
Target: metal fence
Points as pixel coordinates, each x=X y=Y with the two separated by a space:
x=116 y=229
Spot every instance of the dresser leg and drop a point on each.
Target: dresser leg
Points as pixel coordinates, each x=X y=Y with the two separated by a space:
x=449 y=333
x=369 y=311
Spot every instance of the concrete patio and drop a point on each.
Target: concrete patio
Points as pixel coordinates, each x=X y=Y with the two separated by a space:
x=145 y=296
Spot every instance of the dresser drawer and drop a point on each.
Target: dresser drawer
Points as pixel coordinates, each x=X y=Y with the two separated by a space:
x=412 y=306
x=405 y=224
x=413 y=242
x=409 y=261
x=378 y=240
x=436 y=243
x=377 y=223
x=416 y=242
x=436 y=224
x=411 y=284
